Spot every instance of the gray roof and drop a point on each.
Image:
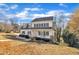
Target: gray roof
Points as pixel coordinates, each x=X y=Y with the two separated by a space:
x=43 y=19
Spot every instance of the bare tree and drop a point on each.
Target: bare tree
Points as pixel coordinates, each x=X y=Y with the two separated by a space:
x=14 y=25
x=59 y=25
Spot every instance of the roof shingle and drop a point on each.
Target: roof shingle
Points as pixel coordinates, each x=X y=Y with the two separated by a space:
x=43 y=19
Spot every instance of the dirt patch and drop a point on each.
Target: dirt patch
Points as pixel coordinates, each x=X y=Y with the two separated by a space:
x=16 y=47
x=32 y=48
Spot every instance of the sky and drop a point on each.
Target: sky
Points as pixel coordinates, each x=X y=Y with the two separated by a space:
x=26 y=12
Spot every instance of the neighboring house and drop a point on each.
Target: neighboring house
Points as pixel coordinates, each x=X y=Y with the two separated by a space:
x=40 y=27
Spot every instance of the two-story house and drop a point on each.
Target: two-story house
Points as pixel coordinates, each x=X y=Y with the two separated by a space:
x=40 y=27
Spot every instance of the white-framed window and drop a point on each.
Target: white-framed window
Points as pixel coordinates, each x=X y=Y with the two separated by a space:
x=47 y=33
x=23 y=32
x=47 y=25
x=41 y=25
x=29 y=32
x=39 y=33
x=34 y=25
x=44 y=34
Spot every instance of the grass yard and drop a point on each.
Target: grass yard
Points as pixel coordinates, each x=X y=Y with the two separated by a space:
x=16 y=47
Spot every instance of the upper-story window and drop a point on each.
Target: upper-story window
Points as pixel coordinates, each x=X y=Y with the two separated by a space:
x=39 y=25
x=47 y=25
x=35 y=25
x=42 y=25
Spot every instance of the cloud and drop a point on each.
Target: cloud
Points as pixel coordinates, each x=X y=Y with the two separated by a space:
x=2 y=11
x=51 y=12
x=33 y=9
x=40 y=15
x=26 y=14
x=67 y=14
x=10 y=16
x=37 y=15
x=22 y=15
x=2 y=4
x=14 y=6
x=62 y=4
x=36 y=9
x=27 y=9
x=6 y=7
x=54 y=12
x=19 y=15
x=47 y=14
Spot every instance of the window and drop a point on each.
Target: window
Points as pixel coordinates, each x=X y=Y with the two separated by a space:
x=41 y=25
x=47 y=33
x=44 y=33
x=47 y=25
x=44 y=25
x=23 y=32
x=39 y=33
x=29 y=32
x=37 y=26
x=34 y=25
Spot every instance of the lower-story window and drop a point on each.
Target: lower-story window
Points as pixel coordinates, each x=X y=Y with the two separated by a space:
x=47 y=33
x=44 y=33
x=23 y=32
x=29 y=32
x=39 y=33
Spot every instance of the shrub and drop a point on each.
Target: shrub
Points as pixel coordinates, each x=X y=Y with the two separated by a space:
x=69 y=37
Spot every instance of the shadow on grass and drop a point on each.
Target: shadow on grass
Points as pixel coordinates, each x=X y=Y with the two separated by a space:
x=13 y=37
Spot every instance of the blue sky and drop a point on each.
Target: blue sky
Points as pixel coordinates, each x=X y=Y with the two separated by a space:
x=26 y=12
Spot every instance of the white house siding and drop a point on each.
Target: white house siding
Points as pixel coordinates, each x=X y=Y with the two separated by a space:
x=36 y=34
x=35 y=30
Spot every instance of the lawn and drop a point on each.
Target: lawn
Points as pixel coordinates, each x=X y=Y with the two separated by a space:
x=18 y=47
